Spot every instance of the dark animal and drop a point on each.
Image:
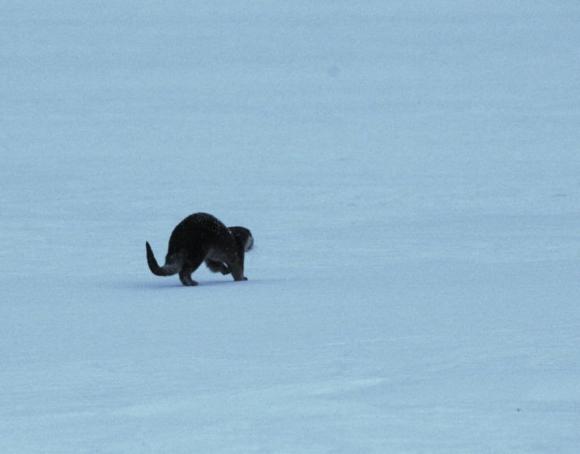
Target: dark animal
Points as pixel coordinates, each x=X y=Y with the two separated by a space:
x=202 y=237
x=242 y=236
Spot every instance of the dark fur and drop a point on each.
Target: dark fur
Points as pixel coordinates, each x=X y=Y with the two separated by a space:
x=202 y=237
x=243 y=237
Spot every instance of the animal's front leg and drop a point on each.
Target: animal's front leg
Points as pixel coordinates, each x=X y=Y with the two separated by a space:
x=238 y=273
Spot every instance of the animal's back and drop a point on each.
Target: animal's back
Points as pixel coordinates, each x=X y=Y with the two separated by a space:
x=198 y=229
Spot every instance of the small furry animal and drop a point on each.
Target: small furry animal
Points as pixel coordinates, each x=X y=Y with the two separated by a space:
x=199 y=238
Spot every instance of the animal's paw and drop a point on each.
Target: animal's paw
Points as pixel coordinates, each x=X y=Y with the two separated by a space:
x=189 y=282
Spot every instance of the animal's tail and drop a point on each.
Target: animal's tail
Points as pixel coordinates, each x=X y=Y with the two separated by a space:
x=166 y=270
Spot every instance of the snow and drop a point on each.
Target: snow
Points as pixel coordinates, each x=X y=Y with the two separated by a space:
x=411 y=175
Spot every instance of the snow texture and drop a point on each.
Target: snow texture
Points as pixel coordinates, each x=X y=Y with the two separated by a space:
x=410 y=171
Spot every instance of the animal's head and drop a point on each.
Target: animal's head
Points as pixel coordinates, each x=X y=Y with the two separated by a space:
x=243 y=237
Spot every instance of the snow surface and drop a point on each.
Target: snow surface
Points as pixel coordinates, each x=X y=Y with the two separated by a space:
x=411 y=173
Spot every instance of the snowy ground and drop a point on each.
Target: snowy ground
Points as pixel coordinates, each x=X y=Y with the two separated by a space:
x=411 y=173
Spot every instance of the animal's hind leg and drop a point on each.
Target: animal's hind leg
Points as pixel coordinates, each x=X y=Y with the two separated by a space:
x=187 y=270
x=185 y=277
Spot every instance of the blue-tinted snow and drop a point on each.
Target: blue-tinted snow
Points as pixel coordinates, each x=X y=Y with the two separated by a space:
x=411 y=173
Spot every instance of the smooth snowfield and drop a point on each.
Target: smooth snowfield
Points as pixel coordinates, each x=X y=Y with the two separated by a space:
x=410 y=171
